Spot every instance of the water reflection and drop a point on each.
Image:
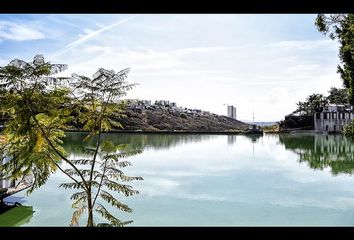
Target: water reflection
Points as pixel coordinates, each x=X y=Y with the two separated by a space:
x=254 y=138
x=74 y=141
x=322 y=151
x=223 y=180
x=231 y=139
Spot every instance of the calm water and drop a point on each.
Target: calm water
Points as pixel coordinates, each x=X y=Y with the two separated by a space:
x=209 y=180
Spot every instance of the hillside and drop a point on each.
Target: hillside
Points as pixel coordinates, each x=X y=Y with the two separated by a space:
x=166 y=120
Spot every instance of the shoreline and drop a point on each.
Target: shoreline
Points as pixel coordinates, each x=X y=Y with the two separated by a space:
x=212 y=133
x=166 y=132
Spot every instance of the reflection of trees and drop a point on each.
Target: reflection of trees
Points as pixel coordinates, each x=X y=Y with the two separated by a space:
x=321 y=151
x=74 y=141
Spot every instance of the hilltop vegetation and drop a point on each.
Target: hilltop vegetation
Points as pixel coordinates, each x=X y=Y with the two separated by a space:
x=166 y=120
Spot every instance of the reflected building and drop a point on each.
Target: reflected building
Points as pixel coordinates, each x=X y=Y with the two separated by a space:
x=322 y=151
x=231 y=139
x=336 y=147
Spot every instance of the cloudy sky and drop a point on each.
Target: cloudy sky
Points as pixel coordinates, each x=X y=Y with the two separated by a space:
x=259 y=63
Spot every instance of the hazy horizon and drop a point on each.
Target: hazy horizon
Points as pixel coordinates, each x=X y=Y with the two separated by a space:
x=259 y=63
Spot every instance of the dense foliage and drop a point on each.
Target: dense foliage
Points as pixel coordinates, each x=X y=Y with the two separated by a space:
x=349 y=129
x=338 y=96
x=39 y=107
x=312 y=104
x=341 y=27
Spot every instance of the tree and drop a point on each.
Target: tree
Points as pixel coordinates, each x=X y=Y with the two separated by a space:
x=341 y=27
x=338 y=96
x=313 y=104
x=38 y=116
x=98 y=96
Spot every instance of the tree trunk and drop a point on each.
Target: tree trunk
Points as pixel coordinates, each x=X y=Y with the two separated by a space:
x=89 y=211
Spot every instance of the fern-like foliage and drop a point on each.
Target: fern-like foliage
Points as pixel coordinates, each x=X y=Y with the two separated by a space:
x=35 y=117
x=39 y=107
x=102 y=169
x=108 y=180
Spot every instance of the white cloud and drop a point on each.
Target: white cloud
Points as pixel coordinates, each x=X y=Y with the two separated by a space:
x=304 y=44
x=209 y=71
x=90 y=34
x=19 y=32
x=229 y=73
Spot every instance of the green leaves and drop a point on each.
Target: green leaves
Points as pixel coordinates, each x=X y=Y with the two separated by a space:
x=313 y=104
x=127 y=190
x=341 y=27
x=349 y=129
x=79 y=205
x=113 y=220
x=38 y=111
x=114 y=202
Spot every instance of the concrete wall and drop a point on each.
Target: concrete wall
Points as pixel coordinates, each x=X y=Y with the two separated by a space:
x=332 y=123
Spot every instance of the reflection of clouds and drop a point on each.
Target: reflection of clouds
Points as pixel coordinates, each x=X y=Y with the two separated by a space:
x=201 y=173
x=278 y=169
x=154 y=186
x=202 y=197
x=339 y=203
x=213 y=158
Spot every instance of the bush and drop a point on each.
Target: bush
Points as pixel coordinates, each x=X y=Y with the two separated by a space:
x=293 y=121
x=183 y=115
x=348 y=129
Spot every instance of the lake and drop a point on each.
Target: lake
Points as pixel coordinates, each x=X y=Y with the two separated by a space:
x=228 y=180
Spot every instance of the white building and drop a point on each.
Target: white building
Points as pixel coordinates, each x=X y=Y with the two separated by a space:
x=165 y=103
x=146 y=102
x=231 y=112
x=333 y=118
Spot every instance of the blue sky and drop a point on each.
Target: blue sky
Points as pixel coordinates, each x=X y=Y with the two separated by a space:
x=259 y=63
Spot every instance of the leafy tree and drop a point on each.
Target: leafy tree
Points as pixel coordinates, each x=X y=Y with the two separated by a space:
x=341 y=27
x=39 y=109
x=349 y=129
x=29 y=106
x=338 y=96
x=313 y=104
x=98 y=96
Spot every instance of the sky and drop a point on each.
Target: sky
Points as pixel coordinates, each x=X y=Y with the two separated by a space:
x=260 y=63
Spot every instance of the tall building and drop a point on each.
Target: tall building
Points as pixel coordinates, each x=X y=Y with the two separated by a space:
x=231 y=112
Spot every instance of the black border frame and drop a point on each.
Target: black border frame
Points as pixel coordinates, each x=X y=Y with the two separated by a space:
x=169 y=7
x=175 y=6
